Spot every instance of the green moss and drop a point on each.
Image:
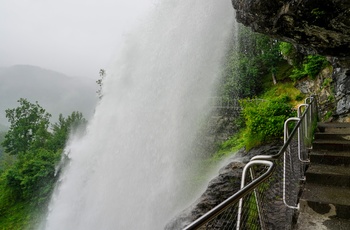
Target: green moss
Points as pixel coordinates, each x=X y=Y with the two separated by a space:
x=282 y=91
x=327 y=82
x=331 y=98
x=286 y=48
x=231 y=145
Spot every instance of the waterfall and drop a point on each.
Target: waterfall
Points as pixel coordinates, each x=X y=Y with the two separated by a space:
x=129 y=170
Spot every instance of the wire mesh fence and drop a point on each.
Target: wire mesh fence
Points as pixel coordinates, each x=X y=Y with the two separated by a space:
x=225 y=103
x=273 y=202
x=247 y=213
x=261 y=208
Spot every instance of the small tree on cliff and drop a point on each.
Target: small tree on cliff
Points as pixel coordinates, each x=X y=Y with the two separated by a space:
x=100 y=83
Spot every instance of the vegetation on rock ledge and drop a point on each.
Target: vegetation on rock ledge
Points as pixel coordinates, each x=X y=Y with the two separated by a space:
x=263 y=75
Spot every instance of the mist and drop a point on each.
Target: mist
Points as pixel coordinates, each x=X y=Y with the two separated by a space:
x=76 y=38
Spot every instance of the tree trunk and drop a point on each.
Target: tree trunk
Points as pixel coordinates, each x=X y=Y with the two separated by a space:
x=274 y=79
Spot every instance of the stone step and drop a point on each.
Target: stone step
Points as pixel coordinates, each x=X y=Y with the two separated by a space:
x=331 y=175
x=332 y=145
x=330 y=157
x=322 y=199
x=336 y=127
x=332 y=136
x=325 y=200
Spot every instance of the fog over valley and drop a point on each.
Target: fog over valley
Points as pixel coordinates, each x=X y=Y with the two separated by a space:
x=55 y=92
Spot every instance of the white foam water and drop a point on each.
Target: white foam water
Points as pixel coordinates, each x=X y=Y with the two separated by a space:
x=128 y=171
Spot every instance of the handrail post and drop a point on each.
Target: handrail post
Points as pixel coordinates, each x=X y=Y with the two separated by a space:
x=306 y=127
x=258 y=203
x=244 y=175
x=286 y=136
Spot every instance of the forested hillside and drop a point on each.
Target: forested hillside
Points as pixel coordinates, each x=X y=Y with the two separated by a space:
x=32 y=148
x=55 y=91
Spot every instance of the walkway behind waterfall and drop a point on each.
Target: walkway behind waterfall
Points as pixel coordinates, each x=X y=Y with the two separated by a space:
x=325 y=201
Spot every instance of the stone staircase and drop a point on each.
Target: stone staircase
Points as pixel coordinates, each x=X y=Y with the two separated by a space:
x=325 y=200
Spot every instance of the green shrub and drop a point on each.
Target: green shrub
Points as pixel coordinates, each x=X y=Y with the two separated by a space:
x=299 y=97
x=233 y=144
x=328 y=115
x=32 y=178
x=312 y=66
x=285 y=98
x=326 y=82
x=264 y=119
x=298 y=74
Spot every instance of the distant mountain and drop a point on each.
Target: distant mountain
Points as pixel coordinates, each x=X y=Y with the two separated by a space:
x=55 y=92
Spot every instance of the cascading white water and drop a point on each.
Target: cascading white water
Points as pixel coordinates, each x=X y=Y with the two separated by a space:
x=128 y=171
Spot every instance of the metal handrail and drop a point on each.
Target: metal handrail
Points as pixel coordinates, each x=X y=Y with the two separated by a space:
x=269 y=160
x=232 y=199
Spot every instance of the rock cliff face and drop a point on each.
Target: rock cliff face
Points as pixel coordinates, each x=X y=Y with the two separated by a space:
x=341 y=76
x=313 y=26
x=220 y=188
x=223 y=186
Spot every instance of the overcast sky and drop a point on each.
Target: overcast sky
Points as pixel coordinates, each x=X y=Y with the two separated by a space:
x=75 y=37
